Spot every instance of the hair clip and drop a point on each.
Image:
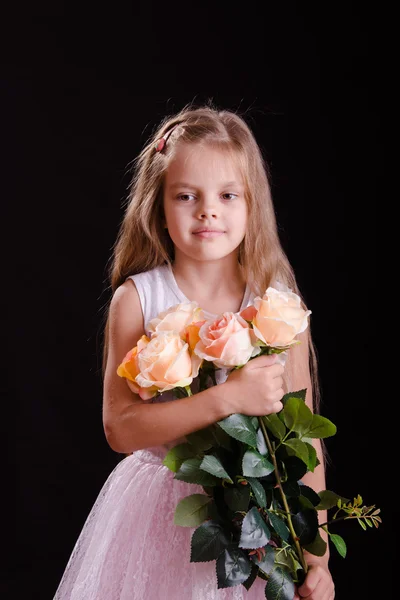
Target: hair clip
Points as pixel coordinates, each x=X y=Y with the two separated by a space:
x=162 y=141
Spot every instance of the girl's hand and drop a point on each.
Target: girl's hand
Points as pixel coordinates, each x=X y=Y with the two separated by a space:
x=318 y=584
x=257 y=388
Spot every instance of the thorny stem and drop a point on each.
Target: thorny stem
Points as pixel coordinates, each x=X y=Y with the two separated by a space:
x=284 y=500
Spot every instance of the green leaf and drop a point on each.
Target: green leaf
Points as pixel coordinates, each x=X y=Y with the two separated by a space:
x=177 y=455
x=368 y=522
x=255 y=532
x=261 y=443
x=317 y=546
x=294 y=468
x=241 y=428
x=201 y=440
x=212 y=465
x=258 y=491
x=275 y=425
x=280 y=585
x=233 y=567
x=237 y=498
x=267 y=562
x=221 y=438
x=297 y=416
x=192 y=510
x=191 y=472
x=280 y=416
x=208 y=541
x=363 y=525
x=305 y=524
x=321 y=427
x=299 y=394
x=255 y=422
x=279 y=525
x=309 y=493
x=304 y=502
x=253 y=576
x=285 y=559
x=312 y=456
x=297 y=448
x=339 y=544
x=291 y=489
x=256 y=465
x=329 y=499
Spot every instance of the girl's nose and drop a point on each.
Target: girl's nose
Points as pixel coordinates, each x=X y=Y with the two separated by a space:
x=207 y=208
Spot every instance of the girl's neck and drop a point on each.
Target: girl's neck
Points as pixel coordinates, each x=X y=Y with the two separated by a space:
x=209 y=280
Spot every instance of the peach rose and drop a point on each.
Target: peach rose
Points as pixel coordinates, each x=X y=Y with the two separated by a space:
x=227 y=341
x=176 y=318
x=192 y=334
x=279 y=317
x=129 y=368
x=248 y=313
x=165 y=363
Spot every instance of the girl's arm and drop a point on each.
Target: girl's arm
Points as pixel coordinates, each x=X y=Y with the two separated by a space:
x=130 y=423
x=315 y=480
x=146 y=425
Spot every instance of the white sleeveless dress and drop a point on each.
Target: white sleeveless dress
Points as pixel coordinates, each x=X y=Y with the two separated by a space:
x=129 y=547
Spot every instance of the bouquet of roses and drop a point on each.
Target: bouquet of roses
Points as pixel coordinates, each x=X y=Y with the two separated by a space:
x=256 y=517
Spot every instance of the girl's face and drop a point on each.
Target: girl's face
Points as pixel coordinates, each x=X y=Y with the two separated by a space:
x=204 y=189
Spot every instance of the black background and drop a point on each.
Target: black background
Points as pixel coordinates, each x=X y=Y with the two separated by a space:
x=81 y=92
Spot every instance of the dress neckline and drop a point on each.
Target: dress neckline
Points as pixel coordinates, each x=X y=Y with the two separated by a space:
x=174 y=286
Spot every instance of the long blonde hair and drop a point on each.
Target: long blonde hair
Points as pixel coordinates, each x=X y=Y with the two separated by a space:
x=143 y=243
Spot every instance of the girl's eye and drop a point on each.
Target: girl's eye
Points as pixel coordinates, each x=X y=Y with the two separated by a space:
x=183 y=197
x=186 y=197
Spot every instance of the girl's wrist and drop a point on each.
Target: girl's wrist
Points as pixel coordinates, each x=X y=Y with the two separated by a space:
x=311 y=559
x=226 y=398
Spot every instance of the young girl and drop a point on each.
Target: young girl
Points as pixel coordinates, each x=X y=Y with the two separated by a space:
x=199 y=225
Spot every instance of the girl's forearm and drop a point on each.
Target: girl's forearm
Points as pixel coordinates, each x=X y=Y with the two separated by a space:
x=147 y=425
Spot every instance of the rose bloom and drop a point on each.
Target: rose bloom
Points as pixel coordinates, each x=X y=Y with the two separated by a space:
x=227 y=341
x=165 y=363
x=277 y=317
x=192 y=334
x=129 y=367
x=177 y=318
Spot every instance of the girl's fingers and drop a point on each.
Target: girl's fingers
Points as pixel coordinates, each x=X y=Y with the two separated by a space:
x=310 y=583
